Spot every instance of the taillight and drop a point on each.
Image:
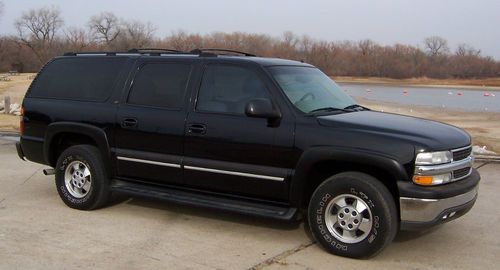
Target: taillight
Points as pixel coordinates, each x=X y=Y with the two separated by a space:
x=21 y=122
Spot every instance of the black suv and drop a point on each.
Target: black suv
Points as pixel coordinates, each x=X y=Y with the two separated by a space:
x=258 y=136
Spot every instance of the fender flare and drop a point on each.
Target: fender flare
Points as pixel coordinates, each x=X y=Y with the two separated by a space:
x=327 y=153
x=93 y=132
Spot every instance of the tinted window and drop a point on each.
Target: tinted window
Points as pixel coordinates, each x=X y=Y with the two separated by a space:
x=228 y=88
x=309 y=89
x=79 y=78
x=160 y=85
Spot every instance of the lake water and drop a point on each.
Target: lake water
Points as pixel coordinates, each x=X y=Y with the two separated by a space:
x=462 y=99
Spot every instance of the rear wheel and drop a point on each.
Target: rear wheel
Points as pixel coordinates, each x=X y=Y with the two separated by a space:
x=352 y=214
x=81 y=179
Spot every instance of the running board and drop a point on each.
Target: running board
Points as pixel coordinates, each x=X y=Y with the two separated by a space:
x=192 y=198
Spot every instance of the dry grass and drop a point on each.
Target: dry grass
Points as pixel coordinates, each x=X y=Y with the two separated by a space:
x=481 y=84
x=16 y=87
x=9 y=123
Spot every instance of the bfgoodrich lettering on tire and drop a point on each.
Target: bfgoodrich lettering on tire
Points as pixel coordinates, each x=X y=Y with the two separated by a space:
x=352 y=214
x=81 y=180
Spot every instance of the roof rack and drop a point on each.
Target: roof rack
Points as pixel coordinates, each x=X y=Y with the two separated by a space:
x=207 y=51
x=156 y=50
x=151 y=51
x=89 y=53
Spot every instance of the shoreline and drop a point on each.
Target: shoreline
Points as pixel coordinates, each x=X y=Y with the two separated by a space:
x=477 y=85
x=482 y=126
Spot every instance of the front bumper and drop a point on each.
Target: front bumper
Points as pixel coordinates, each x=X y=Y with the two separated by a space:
x=430 y=206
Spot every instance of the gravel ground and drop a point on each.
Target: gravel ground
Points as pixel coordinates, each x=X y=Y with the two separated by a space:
x=37 y=231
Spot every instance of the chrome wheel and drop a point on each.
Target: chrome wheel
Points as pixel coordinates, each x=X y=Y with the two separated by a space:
x=78 y=179
x=348 y=218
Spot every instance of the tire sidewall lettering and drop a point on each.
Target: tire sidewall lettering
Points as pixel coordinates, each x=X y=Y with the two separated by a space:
x=325 y=233
x=62 y=185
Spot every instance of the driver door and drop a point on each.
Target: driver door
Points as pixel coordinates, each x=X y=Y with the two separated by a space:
x=226 y=151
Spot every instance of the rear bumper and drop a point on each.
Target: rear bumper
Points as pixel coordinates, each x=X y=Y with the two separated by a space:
x=421 y=212
x=20 y=152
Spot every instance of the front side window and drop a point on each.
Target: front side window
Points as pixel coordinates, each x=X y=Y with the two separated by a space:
x=160 y=85
x=309 y=89
x=227 y=89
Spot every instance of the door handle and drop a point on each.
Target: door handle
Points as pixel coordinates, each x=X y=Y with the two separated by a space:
x=129 y=123
x=198 y=129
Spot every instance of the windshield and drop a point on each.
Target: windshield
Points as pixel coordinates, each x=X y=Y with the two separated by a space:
x=309 y=89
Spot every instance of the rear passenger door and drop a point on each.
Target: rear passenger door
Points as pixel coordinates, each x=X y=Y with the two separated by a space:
x=150 y=122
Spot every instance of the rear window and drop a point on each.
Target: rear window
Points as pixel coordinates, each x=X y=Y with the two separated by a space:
x=160 y=85
x=79 y=78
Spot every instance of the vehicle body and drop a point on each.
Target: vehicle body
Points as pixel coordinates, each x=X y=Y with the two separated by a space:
x=243 y=134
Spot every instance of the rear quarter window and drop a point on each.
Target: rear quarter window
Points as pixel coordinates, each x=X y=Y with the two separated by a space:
x=160 y=85
x=79 y=78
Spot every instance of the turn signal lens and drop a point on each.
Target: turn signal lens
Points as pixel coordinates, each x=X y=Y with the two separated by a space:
x=422 y=180
x=429 y=180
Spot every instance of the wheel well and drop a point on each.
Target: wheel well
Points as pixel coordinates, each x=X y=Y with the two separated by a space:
x=322 y=170
x=64 y=140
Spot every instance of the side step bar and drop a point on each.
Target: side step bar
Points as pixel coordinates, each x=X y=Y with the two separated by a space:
x=191 y=198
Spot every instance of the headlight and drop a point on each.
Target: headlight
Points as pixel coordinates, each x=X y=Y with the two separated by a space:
x=433 y=158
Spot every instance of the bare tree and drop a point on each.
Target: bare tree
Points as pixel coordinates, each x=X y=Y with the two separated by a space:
x=105 y=27
x=366 y=47
x=77 y=38
x=290 y=39
x=464 y=49
x=38 y=39
x=37 y=29
x=436 y=46
x=138 y=34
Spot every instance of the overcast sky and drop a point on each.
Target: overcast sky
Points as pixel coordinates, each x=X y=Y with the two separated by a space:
x=387 y=22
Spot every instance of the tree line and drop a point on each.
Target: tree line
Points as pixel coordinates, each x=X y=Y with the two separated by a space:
x=41 y=35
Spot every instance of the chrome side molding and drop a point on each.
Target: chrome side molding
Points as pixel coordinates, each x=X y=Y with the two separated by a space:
x=179 y=166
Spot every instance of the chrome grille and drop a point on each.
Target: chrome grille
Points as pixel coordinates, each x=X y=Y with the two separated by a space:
x=460 y=173
x=461 y=153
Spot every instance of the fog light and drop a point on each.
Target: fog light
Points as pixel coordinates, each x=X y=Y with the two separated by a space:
x=429 y=180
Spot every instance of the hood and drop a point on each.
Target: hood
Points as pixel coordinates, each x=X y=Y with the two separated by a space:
x=430 y=135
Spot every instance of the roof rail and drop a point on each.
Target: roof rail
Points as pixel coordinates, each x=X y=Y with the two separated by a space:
x=89 y=53
x=131 y=51
x=209 y=50
x=156 y=50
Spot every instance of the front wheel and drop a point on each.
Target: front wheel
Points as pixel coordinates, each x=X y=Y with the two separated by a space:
x=353 y=215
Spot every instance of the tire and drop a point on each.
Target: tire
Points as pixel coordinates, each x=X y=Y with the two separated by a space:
x=363 y=218
x=81 y=179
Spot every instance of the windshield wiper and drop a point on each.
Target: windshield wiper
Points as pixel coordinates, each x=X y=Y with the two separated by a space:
x=327 y=109
x=357 y=107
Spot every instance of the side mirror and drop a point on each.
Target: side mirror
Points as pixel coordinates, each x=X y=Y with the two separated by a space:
x=262 y=108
